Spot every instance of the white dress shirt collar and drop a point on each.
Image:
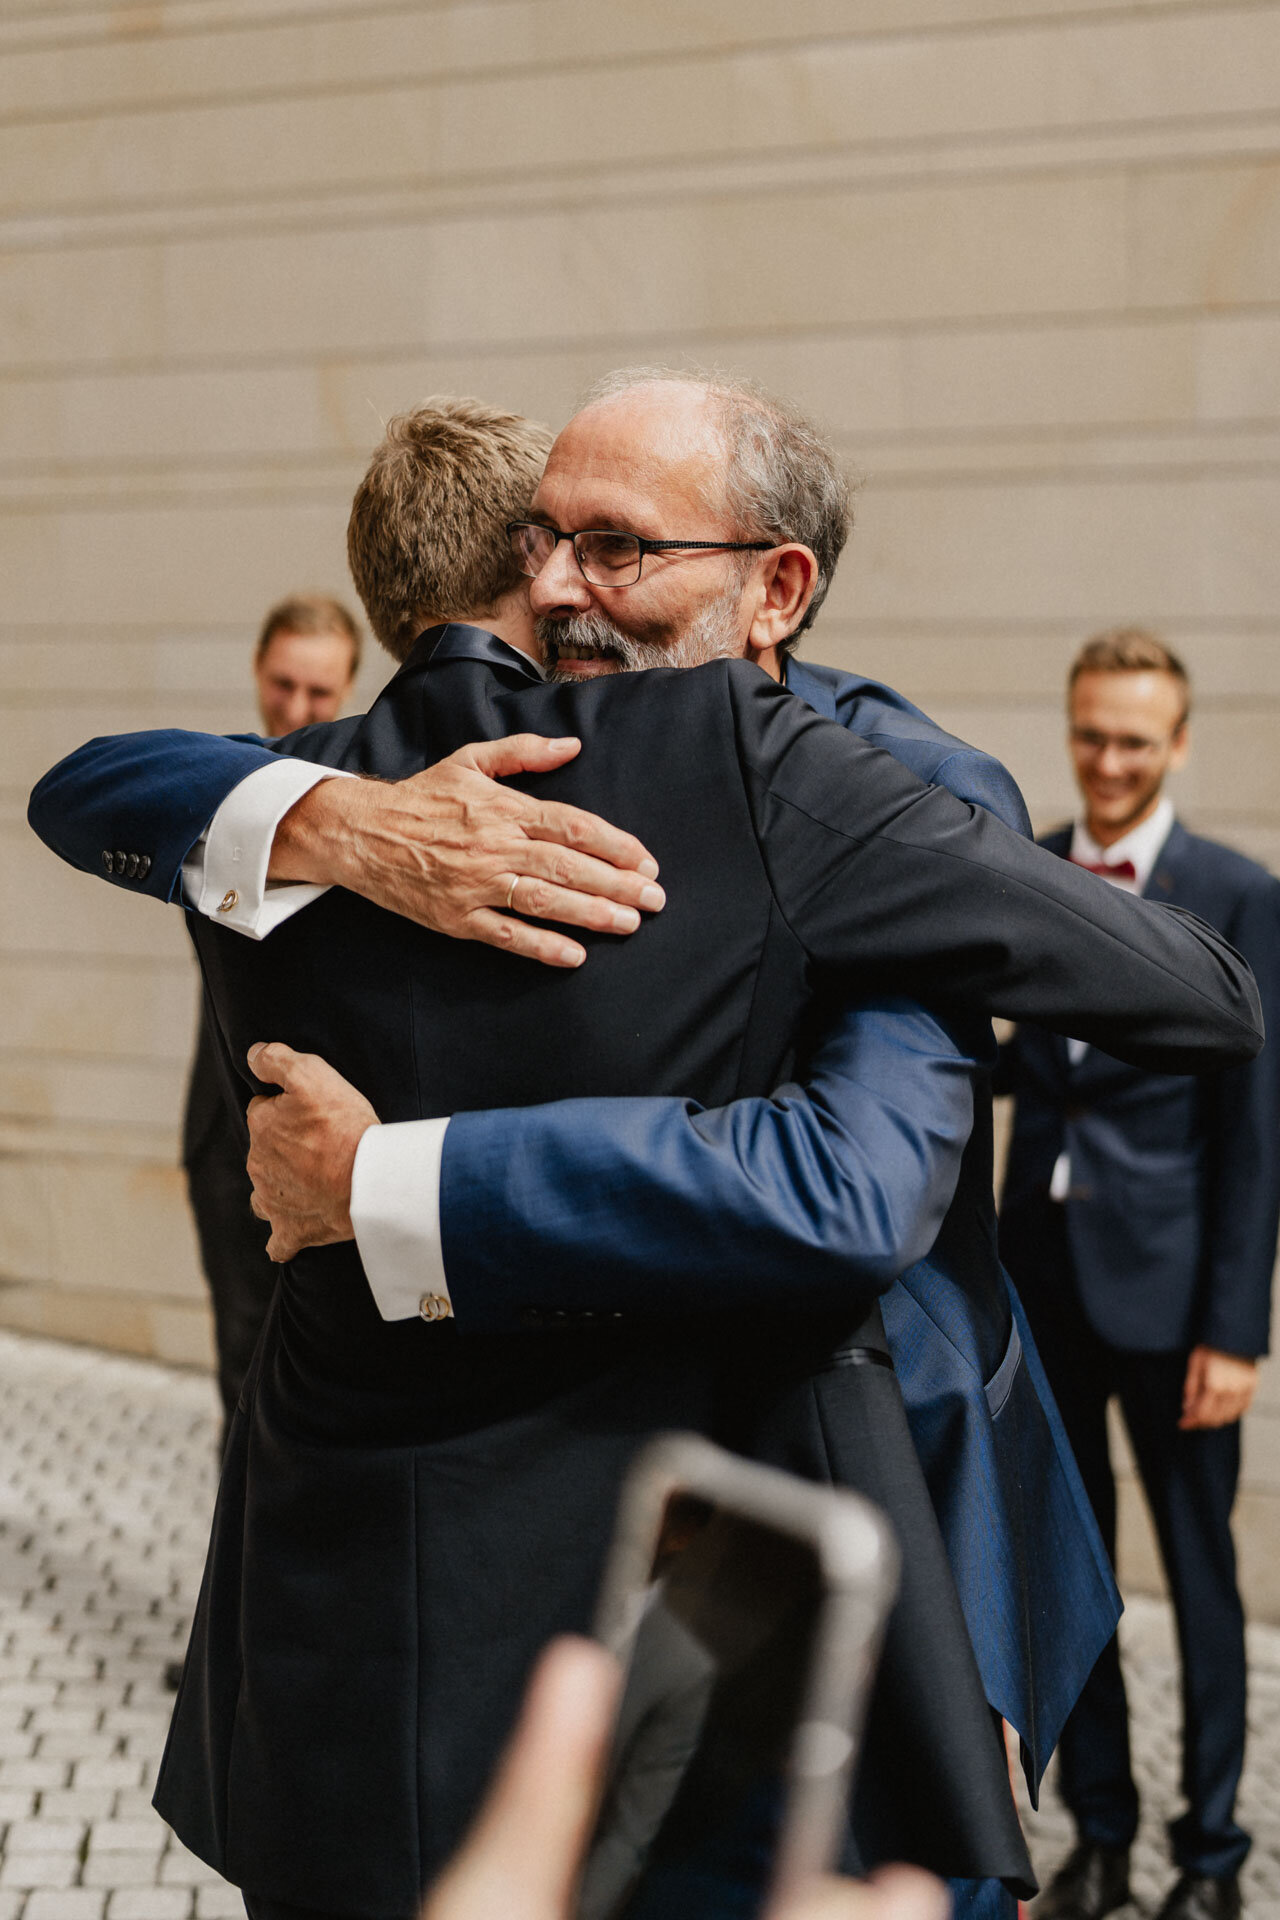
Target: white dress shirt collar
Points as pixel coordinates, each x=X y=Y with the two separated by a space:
x=1141 y=845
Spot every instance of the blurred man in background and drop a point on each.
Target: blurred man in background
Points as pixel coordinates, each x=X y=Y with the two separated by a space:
x=306 y=659
x=1139 y=1222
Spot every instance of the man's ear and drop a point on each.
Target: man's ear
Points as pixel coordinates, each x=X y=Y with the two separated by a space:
x=1180 y=747
x=784 y=586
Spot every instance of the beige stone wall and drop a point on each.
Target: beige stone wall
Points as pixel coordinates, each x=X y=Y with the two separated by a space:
x=1022 y=255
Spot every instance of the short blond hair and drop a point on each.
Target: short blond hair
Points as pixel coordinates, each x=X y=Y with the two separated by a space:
x=427 y=536
x=310 y=613
x=1131 y=650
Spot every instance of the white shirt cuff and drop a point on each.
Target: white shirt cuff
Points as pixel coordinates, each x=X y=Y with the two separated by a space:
x=395 y=1210
x=225 y=873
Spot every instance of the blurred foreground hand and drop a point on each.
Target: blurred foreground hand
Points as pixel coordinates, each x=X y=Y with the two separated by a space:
x=522 y=1857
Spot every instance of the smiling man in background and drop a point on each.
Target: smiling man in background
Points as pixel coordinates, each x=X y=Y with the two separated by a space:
x=1139 y=1221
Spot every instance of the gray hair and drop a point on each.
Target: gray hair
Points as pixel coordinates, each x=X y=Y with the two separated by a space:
x=782 y=478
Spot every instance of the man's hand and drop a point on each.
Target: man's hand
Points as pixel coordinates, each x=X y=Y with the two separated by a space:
x=522 y=1856
x=455 y=851
x=1218 y=1388
x=302 y=1146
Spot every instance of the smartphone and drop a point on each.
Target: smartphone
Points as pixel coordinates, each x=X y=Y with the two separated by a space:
x=747 y=1608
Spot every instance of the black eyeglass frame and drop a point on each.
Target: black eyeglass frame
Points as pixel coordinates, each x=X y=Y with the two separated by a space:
x=643 y=546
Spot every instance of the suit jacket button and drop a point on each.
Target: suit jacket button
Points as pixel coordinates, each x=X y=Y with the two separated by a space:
x=131 y=867
x=434 y=1306
x=108 y=860
x=531 y=1316
x=144 y=865
x=122 y=860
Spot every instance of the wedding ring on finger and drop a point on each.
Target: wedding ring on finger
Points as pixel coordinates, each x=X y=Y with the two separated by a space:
x=511 y=893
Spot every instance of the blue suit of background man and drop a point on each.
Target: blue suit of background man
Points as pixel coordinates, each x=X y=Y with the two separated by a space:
x=887 y=1150
x=1165 y=1241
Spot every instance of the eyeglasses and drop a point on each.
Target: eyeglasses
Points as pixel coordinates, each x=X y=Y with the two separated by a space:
x=607 y=559
x=1130 y=746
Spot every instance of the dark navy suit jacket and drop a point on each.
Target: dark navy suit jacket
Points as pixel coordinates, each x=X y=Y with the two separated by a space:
x=1175 y=1180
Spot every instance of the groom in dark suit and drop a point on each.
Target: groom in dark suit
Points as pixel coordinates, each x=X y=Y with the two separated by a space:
x=350 y=1415
x=1139 y=1221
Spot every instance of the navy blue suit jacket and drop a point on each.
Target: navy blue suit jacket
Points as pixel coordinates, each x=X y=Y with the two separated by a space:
x=1175 y=1179
x=872 y=1173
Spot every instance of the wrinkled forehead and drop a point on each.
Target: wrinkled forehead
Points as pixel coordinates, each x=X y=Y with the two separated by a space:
x=641 y=461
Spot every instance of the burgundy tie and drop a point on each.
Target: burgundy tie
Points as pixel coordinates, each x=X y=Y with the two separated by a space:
x=1122 y=869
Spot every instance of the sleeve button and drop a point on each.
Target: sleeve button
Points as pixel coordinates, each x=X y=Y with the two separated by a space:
x=108 y=860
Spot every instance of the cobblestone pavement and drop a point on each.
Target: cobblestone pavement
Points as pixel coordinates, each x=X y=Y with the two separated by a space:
x=106 y=1486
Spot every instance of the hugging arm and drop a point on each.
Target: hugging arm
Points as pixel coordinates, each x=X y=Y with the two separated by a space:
x=818 y=1196
x=900 y=886
x=252 y=830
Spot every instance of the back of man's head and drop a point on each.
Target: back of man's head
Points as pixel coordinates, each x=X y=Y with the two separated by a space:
x=427 y=536
x=782 y=479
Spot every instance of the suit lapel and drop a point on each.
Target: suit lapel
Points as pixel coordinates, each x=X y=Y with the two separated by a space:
x=1167 y=873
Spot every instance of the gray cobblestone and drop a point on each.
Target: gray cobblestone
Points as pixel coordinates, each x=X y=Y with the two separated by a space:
x=147 y=1835
x=182 y=1869
x=33 y=1773
x=150 y=1903
x=79 y=1747
x=38 y=1870
x=120 y=1870
x=116 y=1772
x=76 y=1903
x=44 y=1836
x=79 y=1803
x=217 y=1903
x=134 y=1803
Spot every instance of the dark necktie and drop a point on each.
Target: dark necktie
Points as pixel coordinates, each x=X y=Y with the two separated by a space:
x=1121 y=870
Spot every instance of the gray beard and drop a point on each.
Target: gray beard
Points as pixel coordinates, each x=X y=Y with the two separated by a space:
x=711 y=635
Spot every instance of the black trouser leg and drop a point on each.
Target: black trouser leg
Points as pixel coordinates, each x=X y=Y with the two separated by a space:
x=1190 y=1483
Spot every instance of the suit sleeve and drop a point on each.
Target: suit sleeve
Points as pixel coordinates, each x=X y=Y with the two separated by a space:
x=1242 y=1200
x=900 y=887
x=150 y=795
x=819 y=1195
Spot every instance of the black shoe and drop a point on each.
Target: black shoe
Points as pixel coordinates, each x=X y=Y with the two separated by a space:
x=1201 y=1896
x=1091 y=1882
x=173 y=1675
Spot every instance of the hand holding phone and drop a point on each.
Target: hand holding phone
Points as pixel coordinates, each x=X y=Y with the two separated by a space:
x=747 y=1607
